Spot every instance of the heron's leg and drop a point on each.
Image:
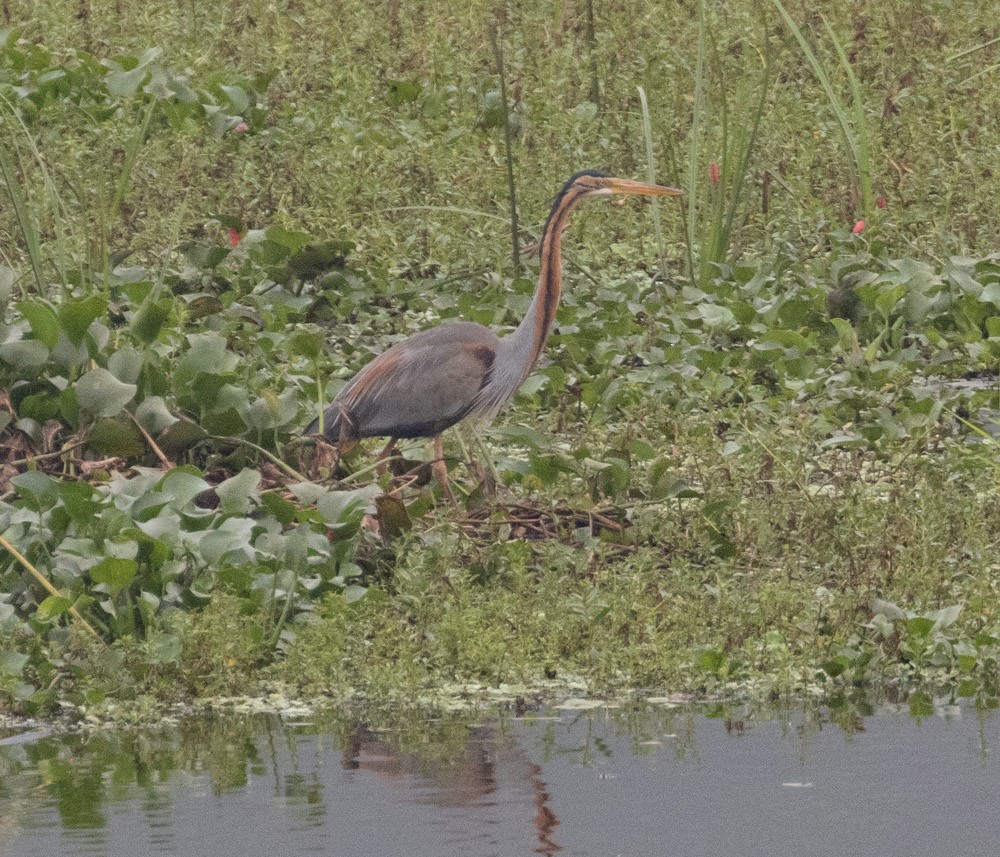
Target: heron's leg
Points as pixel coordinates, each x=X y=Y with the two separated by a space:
x=440 y=470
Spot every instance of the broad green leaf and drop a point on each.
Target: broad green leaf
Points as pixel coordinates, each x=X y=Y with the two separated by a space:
x=149 y=320
x=118 y=437
x=153 y=415
x=102 y=394
x=24 y=353
x=42 y=318
x=115 y=573
x=126 y=364
x=122 y=84
x=37 y=487
x=239 y=493
x=77 y=314
x=53 y=607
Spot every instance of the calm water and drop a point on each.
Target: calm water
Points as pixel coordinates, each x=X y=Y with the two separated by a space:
x=650 y=781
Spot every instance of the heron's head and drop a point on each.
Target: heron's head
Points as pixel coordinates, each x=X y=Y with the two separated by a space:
x=593 y=183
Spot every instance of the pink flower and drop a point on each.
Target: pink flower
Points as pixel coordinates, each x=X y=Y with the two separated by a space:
x=239 y=129
x=713 y=172
x=859 y=227
x=234 y=237
x=880 y=202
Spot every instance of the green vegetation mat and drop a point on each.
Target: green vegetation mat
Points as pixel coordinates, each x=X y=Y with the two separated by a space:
x=758 y=457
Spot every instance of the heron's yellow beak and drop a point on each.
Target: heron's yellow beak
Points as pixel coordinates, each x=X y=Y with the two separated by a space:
x=626 y=186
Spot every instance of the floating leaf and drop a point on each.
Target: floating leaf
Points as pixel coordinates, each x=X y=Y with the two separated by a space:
x=102 y=394
x=77 y=314
x=115 y=573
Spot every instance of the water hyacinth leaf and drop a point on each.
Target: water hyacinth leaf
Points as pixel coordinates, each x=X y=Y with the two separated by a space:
x=283 y=511
x=114 y=573
x=149 y=320
x=37 y=489
x=181 y=487
x=226 y=423
x=393 y=519
x=204 y=257
x=153 y=415
x=232 y=539
x=24 y=353
x=207 y=354
x=126 y=364
x=122 y=84
x=353 y=593
x=307 y=492
x=52 y=608
x=78 y=501
x=43 y=320
x=11 y=663
x=307 y=343
x=179 y=437
x=239 y=493
x=77 y=314
x=287 y=238
x=339 y=507
x=116 y=437
x=163 y=648
x=102 y=394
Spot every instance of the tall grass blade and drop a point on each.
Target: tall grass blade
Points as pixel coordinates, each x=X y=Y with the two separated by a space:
x=862 y=153
x=508 y=147
x=748 y=147
x=847 y=132
x=694 y=149
x=647 y=128
x=24 y=221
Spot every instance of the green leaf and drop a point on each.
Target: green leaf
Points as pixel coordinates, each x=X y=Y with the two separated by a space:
x=402 y=92
x=24 y=353
x=36 y=487
x=115 y=573
x=53 y=607
x=122 y=84
x=835 y=666
x=239 y=493
x=77 y=314
x=43 y=321
x=153 y=415
x=149 y=320
x=278 y=506
x=11 y=663
x=919 y=627
x=102 y=394
x=712 y=661
x=118 y=437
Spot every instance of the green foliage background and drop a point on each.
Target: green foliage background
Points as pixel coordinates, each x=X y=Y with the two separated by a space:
x=793 y=425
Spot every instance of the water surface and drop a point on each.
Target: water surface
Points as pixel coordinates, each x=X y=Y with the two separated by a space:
x=642 y=781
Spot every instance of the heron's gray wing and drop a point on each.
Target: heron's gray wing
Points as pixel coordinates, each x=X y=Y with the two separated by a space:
x=422 y=385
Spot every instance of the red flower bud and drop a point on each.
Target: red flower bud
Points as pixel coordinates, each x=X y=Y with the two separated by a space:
x=859 y=227
x=234 y=237
x=713 y=172
x=880 y=202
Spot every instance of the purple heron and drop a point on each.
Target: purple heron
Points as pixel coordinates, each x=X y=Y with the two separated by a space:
x=433 y=379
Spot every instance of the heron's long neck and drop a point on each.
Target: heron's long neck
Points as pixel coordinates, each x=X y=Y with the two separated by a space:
x=526 y=343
